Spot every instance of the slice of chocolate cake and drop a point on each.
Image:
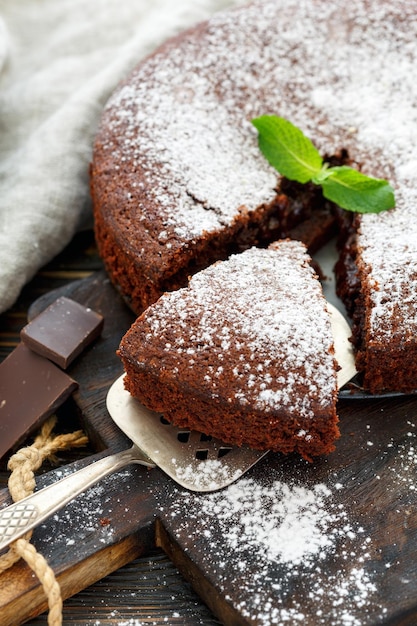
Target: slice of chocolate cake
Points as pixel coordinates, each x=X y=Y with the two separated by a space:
x=244 y=353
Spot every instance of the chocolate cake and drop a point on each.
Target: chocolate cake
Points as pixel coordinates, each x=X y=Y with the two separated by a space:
x=178 y=180
x=244 y=353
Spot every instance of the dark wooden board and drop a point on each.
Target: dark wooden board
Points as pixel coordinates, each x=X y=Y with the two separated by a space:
x=371 y=478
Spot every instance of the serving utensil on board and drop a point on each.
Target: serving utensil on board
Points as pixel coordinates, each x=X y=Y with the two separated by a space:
x=195 y=461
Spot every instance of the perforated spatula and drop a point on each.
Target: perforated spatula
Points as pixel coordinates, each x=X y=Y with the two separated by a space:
x=193 y=460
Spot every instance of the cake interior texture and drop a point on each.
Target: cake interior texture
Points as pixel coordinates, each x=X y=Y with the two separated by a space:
x=244 y=353
x=178 y=180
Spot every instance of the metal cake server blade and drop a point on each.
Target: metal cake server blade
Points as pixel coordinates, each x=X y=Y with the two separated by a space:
x=195 y=461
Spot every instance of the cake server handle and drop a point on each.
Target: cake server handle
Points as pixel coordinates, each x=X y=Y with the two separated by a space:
x=22 y=516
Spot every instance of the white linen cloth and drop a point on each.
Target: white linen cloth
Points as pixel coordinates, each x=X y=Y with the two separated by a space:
x=59 y=62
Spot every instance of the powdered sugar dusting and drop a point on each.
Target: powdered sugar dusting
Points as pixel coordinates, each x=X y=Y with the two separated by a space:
x=207 y=474
x=273 y=348
x=279 y=536
x=301 y=531
x=343 y=72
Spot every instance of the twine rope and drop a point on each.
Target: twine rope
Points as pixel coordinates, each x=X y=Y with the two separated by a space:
x=23 y=465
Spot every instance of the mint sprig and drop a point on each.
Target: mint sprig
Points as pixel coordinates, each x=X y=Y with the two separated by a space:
x=290 y=152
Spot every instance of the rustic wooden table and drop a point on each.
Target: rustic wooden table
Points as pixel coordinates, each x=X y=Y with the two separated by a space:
x=371 y=476
x=149 y=590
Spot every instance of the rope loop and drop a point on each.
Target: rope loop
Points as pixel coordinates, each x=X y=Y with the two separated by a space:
x=21 y=483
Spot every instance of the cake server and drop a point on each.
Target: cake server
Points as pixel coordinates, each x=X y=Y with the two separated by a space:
x=193 y=460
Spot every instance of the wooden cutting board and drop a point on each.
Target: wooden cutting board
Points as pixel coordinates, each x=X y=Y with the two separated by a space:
x=334 y=542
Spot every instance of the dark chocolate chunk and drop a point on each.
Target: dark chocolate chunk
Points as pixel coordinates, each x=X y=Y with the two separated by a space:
x=31 y=389
x=62 y=331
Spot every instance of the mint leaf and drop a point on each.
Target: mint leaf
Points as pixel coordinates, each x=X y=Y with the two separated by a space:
x=354 y=191
x=295 y=157
x=287 y=148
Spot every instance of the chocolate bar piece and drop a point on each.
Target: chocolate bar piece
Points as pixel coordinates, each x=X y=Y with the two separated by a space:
x=62 y=331
x=31 y=389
